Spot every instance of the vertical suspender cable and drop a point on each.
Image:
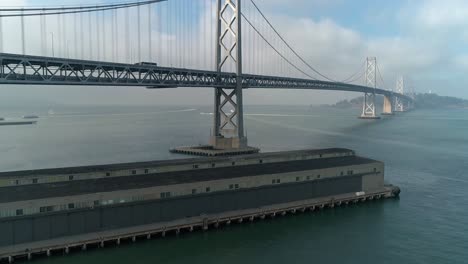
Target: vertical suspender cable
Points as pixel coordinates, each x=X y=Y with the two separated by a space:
x=113 y=34
x=203 y=35
x=150 y=36
x=23 y=43
x=62 y=35
x=75 y=37
x=139 y=33
x=45 y=35
x=172 y=31
x=178 y=34
x=117 y=40
x=81 y=37
x=41 y=22
x=90 y=36
x=167 y=20
x=212 y=38
x=98 y=37
x=159 y=38
x=194 y=33
x=1 y=33
x=127 y=37
x=104 y=36
x=59 y=35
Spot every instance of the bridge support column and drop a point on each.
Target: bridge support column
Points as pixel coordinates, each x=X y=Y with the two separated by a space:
x=228 y=130
x=228 y=124
x=368 y=107
x=387 y=105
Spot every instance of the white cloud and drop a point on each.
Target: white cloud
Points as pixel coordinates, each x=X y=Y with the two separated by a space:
x=334 y=49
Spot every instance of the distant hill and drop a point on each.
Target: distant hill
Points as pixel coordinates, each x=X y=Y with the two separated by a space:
x=424 y=100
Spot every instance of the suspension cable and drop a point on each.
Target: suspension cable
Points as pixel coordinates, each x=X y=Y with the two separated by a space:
x=380 y=75
x=58 y=11
x=361 y=67
x=282 y=56
x=287 y=44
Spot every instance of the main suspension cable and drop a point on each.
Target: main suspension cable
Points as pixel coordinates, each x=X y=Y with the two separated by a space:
x=282 y=56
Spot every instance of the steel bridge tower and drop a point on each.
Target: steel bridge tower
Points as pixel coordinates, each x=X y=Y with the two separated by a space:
x=368 y=106
x=228 y=129
x=400 y=88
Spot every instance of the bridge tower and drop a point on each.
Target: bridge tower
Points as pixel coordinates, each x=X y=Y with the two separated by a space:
x=228 y=129
x=228 y=119
x=368 y=107
x=400 y=86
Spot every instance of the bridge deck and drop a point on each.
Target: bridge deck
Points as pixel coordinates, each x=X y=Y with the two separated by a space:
x=39 y=70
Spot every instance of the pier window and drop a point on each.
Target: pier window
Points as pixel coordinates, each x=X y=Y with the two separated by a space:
x=19 y=211
x=260 y=161
x=318 y=176
x=231 y=186
x=350 y=172
x=96 y=202
x=341 y=173
x=44 y=209
x=146 y=170
x=298 y=178
x=233 y=163
x=34 y=180
x=375 y=169
x=107 y=174
x=71 y=206
x=17 y=182
x=236 y=186
x=273 y=181
x=320 y=155
x=213 y=165
x=195 y=166
x=194 y=191
x=308 y=178
x=165 y=194
x=133 y=172
x=70 y=178
x=208 y=189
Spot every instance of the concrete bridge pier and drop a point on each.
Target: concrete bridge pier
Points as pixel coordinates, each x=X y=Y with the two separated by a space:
x=387 y=105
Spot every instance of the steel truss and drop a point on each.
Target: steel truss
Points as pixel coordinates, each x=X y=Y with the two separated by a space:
x=37 y=70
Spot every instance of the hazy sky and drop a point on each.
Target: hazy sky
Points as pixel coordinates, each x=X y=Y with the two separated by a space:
x=423 y=40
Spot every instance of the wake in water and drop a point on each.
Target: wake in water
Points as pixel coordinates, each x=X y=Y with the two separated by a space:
x=122 y=114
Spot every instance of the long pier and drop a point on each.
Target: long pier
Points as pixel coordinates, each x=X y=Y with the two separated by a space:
x=66 y=245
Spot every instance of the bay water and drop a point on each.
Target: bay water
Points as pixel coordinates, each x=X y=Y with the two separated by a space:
x=425 y=153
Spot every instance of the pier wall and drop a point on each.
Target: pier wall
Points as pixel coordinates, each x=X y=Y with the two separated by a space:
x=23 y=229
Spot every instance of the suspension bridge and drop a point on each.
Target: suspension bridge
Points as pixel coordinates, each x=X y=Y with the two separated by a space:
x=169 y=44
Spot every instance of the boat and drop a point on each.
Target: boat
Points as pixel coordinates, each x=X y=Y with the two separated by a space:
x=30 y=117
x=4 y=122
